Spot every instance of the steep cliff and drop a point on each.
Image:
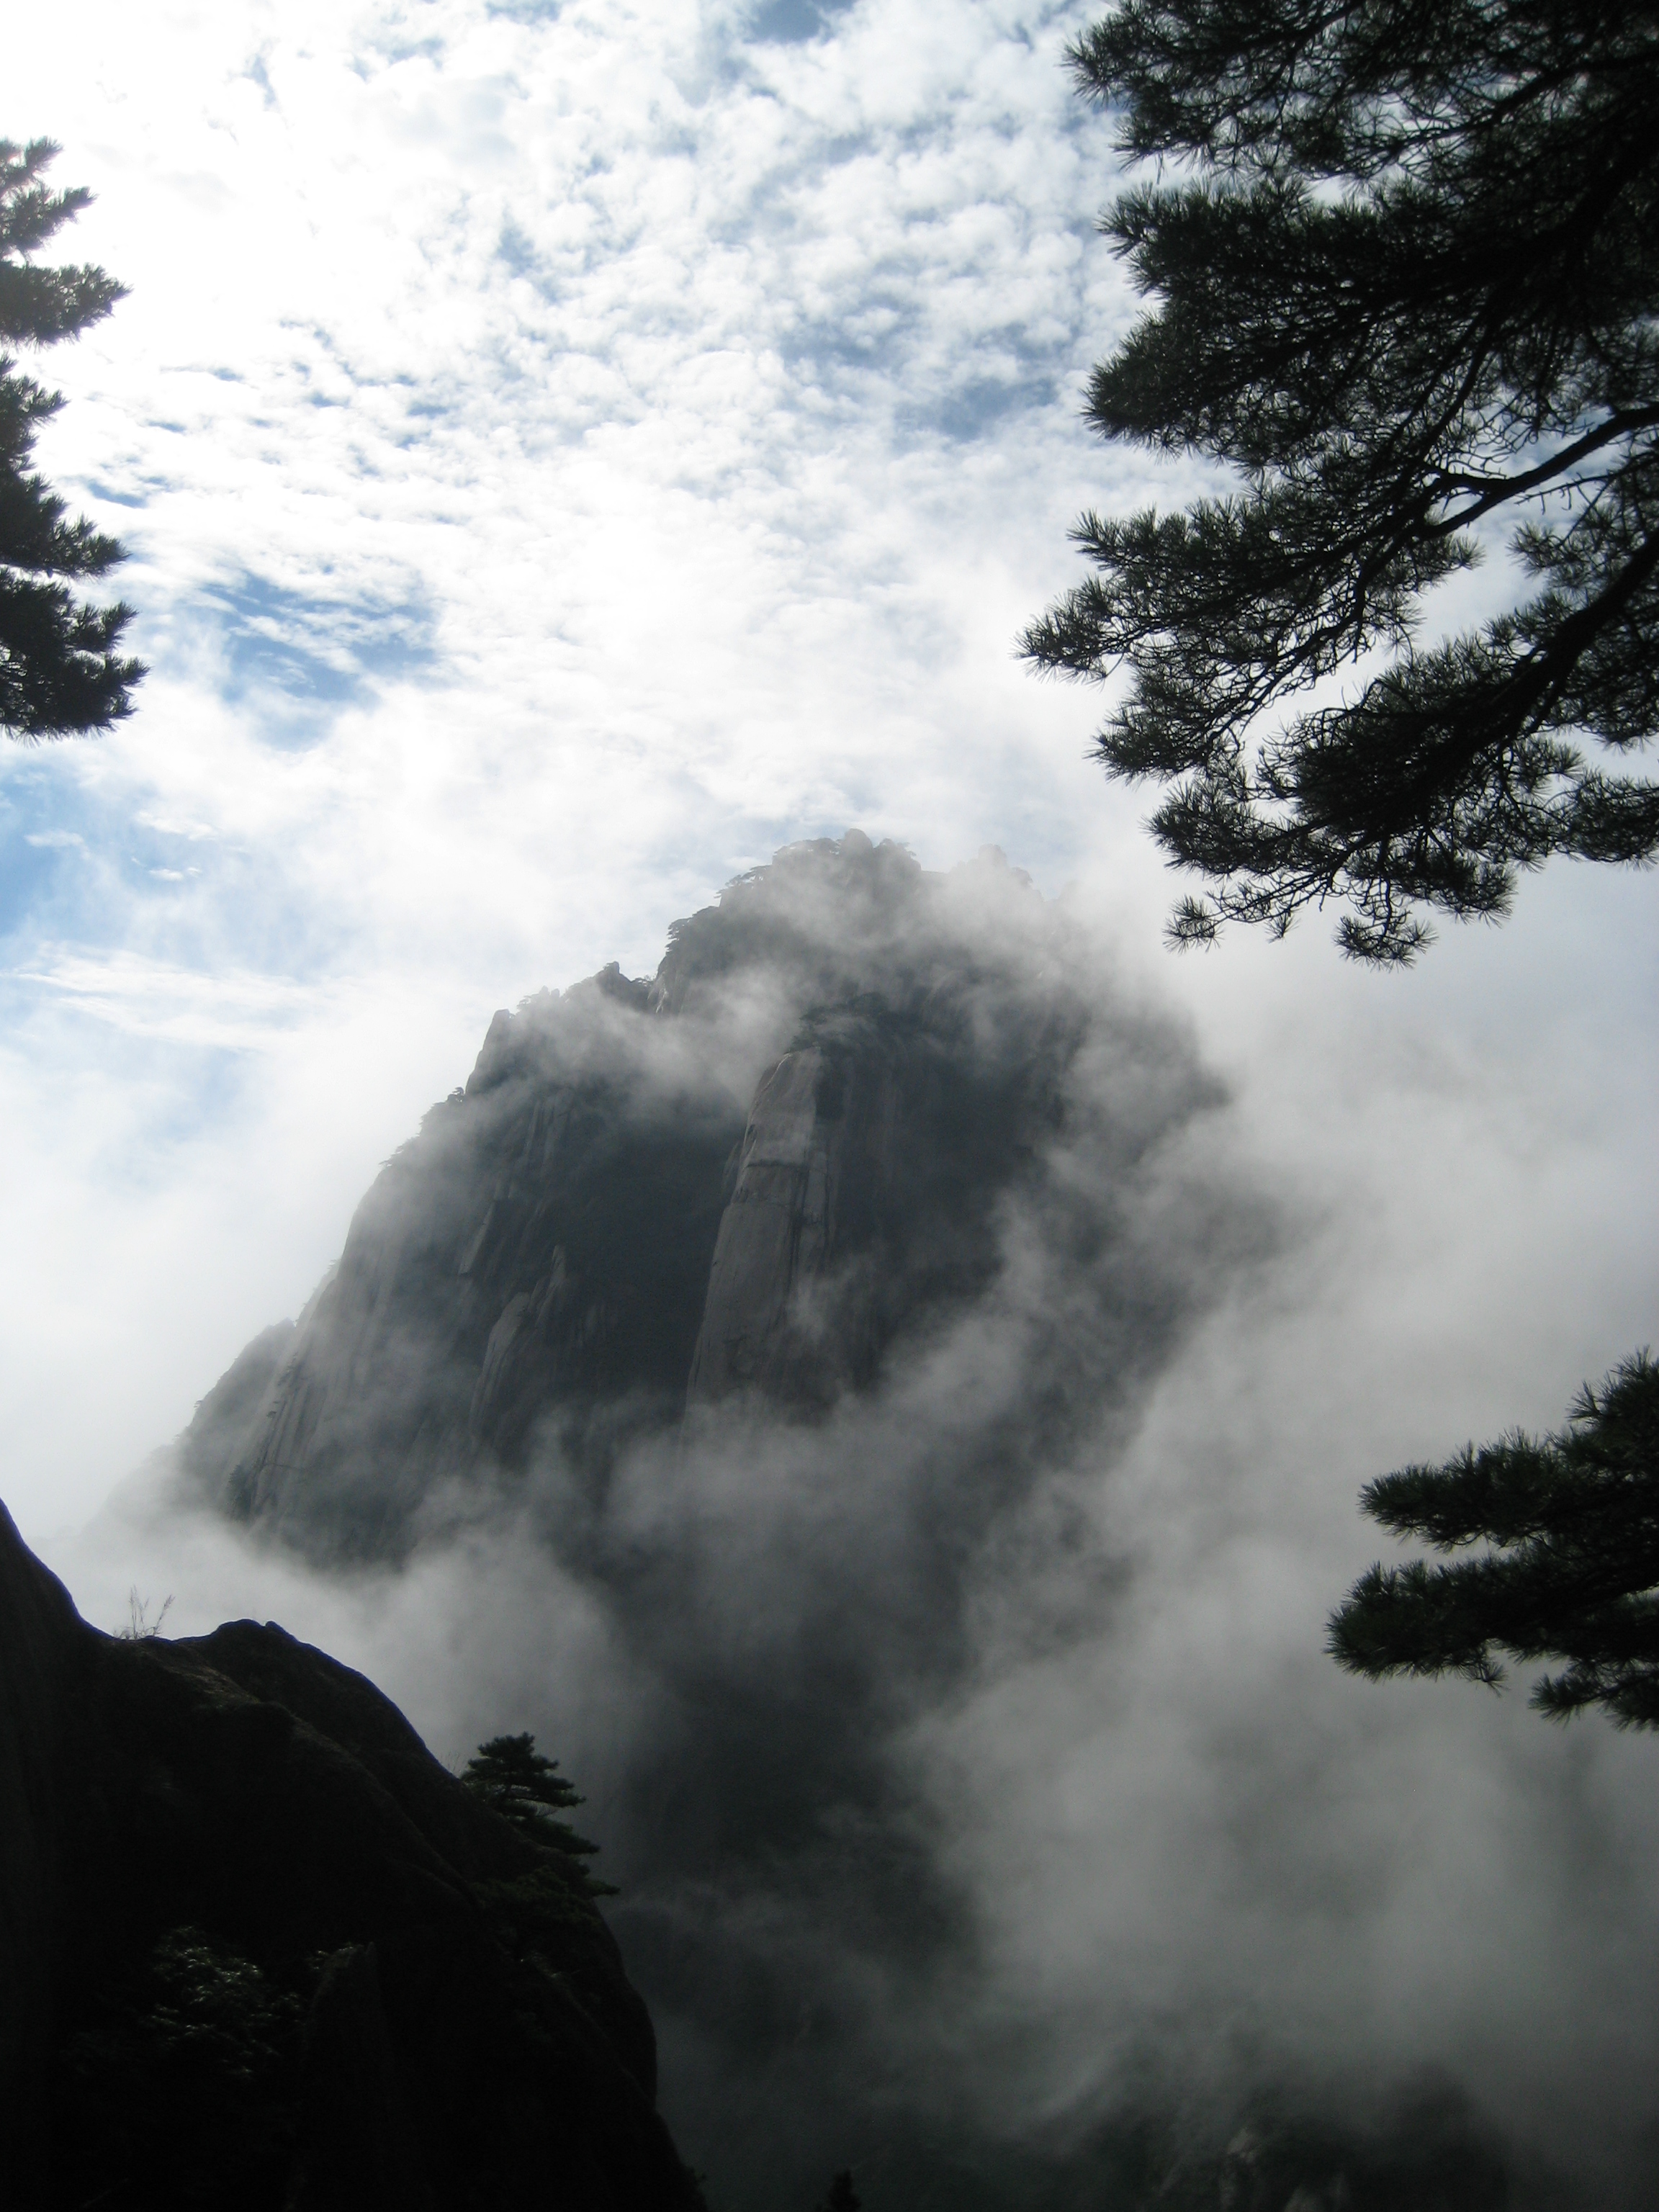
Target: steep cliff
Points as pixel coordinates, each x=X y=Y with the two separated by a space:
x=257 y=1948
x=757 y=1173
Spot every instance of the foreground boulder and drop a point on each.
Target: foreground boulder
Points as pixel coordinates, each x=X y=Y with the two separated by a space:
x=258 y=1947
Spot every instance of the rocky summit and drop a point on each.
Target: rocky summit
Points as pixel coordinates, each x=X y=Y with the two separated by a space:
x=755 y=1175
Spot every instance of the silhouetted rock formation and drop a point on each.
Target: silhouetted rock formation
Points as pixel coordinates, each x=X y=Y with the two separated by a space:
x=259 y=1948
x=756 y=1174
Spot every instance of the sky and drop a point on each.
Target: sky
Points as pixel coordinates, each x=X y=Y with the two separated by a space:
x=566 y=452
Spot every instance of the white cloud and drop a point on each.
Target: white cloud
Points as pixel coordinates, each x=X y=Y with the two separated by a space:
x=192 y=830
x=236 y=1010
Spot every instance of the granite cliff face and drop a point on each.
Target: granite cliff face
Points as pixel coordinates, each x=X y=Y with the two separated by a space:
x=257 y=1948
x=758 y=1173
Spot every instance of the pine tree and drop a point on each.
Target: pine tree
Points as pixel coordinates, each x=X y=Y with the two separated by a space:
x=1404 y=258
x=1571 y=1570
x=515 y=1780
x=60 y=674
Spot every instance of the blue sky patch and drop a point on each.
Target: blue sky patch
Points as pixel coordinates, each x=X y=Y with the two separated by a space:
x=297 y=658
x=977 y=408
x=792 y=22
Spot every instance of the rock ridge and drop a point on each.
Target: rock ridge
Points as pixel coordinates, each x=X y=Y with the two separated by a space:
x=256 y=1946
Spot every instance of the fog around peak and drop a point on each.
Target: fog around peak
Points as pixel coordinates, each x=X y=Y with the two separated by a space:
x=946 y=1686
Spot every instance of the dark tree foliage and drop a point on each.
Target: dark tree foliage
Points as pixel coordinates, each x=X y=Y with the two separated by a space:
x=1571 y=1570
x=60 y=674
x=180 y=2090
x=515 y=1780
x=1405 y=262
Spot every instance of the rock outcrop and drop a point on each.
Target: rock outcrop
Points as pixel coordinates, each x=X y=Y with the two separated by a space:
x=756 y=1174
x=257 y=1948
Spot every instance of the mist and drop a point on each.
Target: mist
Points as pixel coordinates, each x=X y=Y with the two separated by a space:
x=981 y=1805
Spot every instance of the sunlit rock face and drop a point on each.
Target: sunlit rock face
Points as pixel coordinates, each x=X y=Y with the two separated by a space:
x=754 y=1175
